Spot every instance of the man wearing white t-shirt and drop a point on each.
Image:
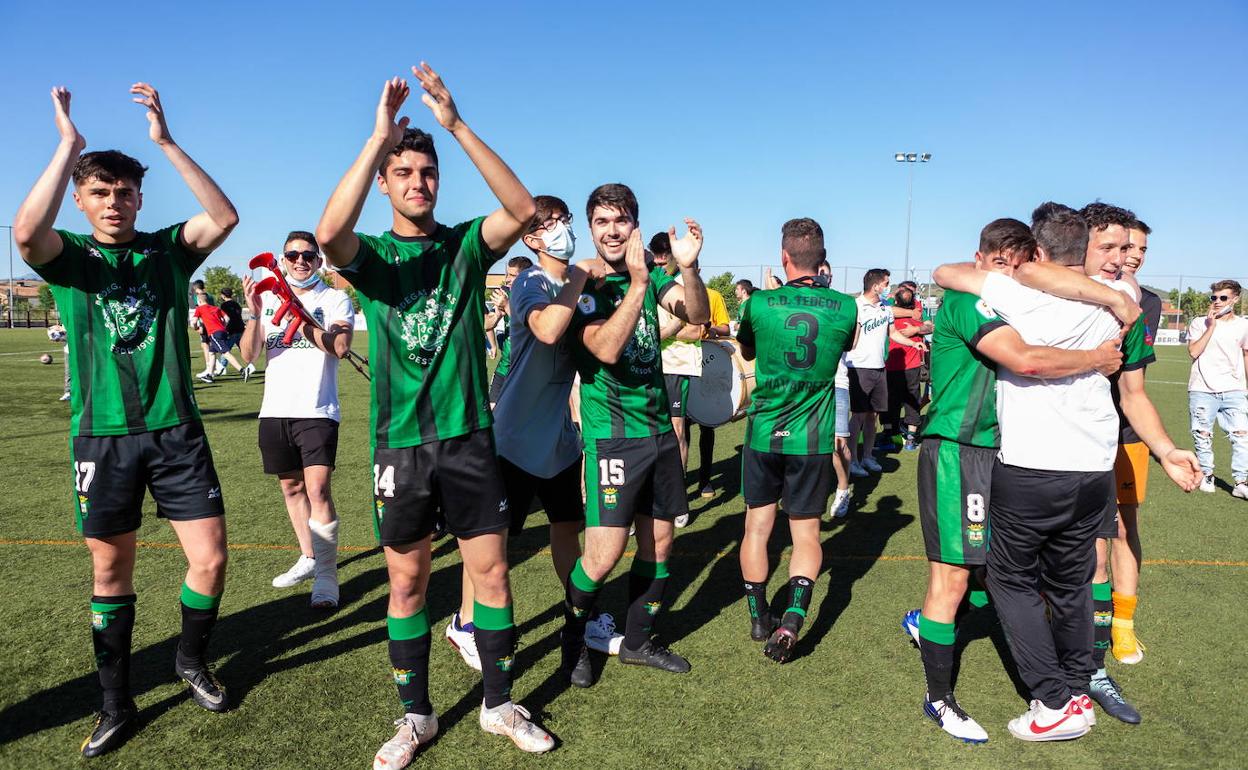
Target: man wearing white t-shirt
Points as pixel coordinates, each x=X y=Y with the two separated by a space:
x=1216 y=388
x=1054 y=479
x=868 y=384
x=300 y=413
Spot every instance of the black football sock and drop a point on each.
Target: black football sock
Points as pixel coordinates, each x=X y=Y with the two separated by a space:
x=756 y=599
x=409 y=660
x=496 y=641
x=112 y=626
x=646 y=581
x=800 y=589
x=199 y=615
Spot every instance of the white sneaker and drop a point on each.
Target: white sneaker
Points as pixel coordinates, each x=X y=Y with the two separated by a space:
x=839 y=508
x=514 y=721
x=464 y=642
x=414 y=730
x=222 y=368
x=1087 y=707
x=1207 y=485
x=248 y=370
x=64 y=396
x=857 y=471
x=600 y=634
x=1240 y=490
x=204 y=377
x=871 y=465
x=953 y=720
x=681 y=521
x=1041 y=723
x=303 y=569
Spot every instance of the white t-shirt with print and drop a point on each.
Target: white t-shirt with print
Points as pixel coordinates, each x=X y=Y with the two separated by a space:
x=1220 y=369
x=1064 y=423
x=874 y=322
x=301 y=380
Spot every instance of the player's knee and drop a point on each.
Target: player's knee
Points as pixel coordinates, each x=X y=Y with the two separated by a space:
x=318 y=493
x=293 y=487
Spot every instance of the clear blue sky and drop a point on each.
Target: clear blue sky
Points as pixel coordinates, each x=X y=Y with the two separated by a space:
x=741 y=115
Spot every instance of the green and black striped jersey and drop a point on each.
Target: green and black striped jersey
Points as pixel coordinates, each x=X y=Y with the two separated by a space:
x=798 y=332
x=626 y=399
x=424 y=299
x=124 y=307
x=964 y=381
x=504 y=356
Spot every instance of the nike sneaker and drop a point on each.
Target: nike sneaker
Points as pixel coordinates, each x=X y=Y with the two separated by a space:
x=204 y=688
x=1106 y=692
x=303 y=569
x=415 y=730
x=464 y=641
x=1126 y=647
x=910 y=624
x=953 y=720
x=515 y=722
x=1041 y=723
x=112 y=728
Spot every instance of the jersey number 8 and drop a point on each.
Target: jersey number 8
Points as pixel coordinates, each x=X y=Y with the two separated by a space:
x=975 y=508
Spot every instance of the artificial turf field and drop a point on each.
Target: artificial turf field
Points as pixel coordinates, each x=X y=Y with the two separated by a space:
x=312 y=689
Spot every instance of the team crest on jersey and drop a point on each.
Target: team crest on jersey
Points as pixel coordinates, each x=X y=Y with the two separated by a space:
x=586 y=304
x=426 y=320
x=984 y=310
x=642 y=351
x=610 y=497
x=319 y=315
x=975 y=535
x=128 y=315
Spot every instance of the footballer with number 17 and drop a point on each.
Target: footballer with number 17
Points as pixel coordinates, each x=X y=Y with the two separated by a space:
x=135 y=424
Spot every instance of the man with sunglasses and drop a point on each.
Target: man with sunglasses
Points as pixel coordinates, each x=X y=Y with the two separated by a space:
x=299 y=414
x=1216 y=388
x=422 y=287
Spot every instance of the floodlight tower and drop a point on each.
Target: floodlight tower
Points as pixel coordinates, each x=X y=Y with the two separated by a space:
x=910 y=158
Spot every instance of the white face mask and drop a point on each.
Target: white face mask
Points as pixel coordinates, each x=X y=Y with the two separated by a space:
x=559 y=242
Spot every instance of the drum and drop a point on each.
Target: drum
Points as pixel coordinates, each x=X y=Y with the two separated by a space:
x=722 y=393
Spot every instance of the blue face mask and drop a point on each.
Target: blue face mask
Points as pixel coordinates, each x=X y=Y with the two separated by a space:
x=559 y=242
x=884 y=293
x=305 y=283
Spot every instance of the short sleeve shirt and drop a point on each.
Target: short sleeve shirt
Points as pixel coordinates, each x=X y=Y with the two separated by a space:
x=1220 y=368
x=964 y=381
x=874 y=321
x=424 y=298
x=124 y=307
x=300 y=379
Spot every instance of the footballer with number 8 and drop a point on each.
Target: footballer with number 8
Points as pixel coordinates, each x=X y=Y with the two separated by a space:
x=633 y=473
x=135 y=424
x=804 y=327
x=421 y=286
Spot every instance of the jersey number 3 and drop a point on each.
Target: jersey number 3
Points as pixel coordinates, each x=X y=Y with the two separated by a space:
x=804 y=357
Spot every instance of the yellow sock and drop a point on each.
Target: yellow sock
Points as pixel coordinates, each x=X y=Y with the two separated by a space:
x=1124 y=606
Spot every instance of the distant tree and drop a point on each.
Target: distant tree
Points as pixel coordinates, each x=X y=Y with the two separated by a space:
x=217 y=278
x=45 y=297
x=724 y=283
x=1190 y=303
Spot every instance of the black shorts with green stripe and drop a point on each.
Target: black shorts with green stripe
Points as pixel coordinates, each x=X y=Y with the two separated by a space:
x=677 y=386
x=804 y=482
x=955 y=482
x=629 y=477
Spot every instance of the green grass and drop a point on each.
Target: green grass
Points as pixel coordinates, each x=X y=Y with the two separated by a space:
x=313 y=689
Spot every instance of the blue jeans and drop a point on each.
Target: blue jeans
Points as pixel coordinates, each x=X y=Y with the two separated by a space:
x=1231 y=411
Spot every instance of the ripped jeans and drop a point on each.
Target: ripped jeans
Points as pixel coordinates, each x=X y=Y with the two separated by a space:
x=1231 y=411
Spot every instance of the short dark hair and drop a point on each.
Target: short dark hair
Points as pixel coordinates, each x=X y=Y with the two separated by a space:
x=302 y=235
x=415 y=140
x=1007 y=236
x=545 y=207
x=661 y=243
x=1101 y=215
x=802 y=240
x=1061 y=232
x=227 y=292
x=1138 y=224
x=747 y=286
x=874 y=276
x=522 y=262
x=1227 y=284
x=198 y=284
x=613 y=196
x=108 y=166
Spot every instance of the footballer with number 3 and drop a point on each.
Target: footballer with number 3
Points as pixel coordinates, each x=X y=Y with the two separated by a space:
x=633 y=473
x=135 y=424
x=421 y=286
x=803 y=326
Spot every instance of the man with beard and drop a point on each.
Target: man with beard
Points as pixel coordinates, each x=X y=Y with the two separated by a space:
x=632 y=461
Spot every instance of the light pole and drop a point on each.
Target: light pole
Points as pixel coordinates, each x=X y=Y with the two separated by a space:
x=10 y=307
x=909 y=158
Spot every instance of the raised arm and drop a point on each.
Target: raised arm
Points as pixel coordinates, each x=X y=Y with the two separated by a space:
x=36 y=241
x=252 y=343
x=688 y=302
x=1180 y=465
x=1005 y=346
x=336 y=230
x=607 y=339
x=504 y=227
x=1064 y=282
x=209 y=229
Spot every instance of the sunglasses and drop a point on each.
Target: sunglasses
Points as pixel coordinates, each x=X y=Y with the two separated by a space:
x=308 y=256
x=1219 y=297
